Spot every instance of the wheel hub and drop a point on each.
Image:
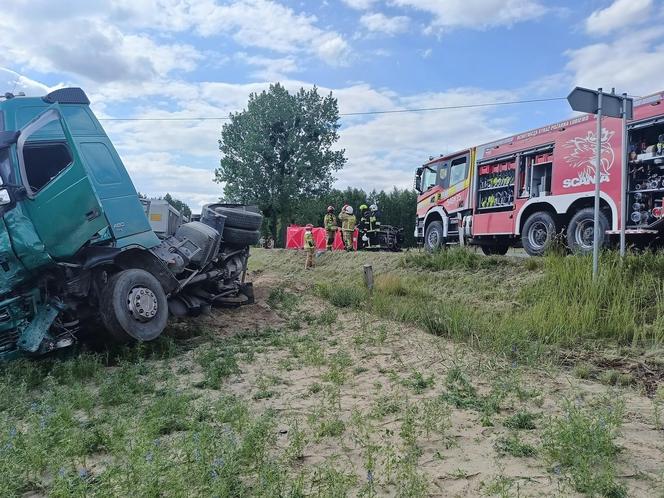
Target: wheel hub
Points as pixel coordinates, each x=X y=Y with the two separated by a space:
x=538 y=234
x=585 y=234
x=142 y=304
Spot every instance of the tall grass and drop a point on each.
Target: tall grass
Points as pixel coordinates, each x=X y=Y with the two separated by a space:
x=624 y=304
x=448 y=259
x=554 y=303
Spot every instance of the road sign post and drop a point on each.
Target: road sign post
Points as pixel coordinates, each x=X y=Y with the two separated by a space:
x=613 y=106
x=627 y=105
x=598 y=180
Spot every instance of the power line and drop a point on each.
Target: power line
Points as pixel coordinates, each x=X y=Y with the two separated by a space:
x=364 y=113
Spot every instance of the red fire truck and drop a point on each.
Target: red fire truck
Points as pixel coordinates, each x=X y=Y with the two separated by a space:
x=529 y=188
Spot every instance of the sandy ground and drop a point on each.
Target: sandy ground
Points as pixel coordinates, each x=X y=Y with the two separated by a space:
x=379 y=359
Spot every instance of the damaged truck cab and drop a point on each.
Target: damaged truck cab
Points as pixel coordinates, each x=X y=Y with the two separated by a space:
x=76 y=246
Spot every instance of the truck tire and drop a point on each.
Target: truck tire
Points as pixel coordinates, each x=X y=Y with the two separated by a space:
x=133 y=306
x=538 y=233
x=238 y=237
x=240 y=218
x=433 y=237
x=495 y=249
x=580 y=231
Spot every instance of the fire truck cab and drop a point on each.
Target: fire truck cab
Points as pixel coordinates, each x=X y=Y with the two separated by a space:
x=527 y=189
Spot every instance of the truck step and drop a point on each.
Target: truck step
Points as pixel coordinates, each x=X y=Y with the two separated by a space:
x=634 y=231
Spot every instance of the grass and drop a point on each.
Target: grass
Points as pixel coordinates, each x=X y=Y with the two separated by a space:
x=518 y=308
x=450 y=259
x=582 y=443
x=513 y=445
x=523 y=420
x=345 y=382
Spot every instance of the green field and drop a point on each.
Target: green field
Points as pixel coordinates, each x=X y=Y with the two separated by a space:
x=459 y=375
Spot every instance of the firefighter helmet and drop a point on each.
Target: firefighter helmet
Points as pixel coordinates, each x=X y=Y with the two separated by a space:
x=349 y=209
x=330 y=209
x=363 y=207
x=373 y=207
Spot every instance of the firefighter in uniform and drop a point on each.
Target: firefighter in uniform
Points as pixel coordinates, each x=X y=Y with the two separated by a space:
x=331 y=227
x=374 y=217
x=343 y=217
x=347 y=226
x=309 y=246
x=364 y=226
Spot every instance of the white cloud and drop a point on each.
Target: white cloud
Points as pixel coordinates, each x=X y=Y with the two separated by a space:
x=87 y=46
x=130 y=40
x=632 y=63
x=158 y=173
x=478 y=14
x=270 y=25
x=620 y=14
x=359 y=4
x=380 y=23
x=383 y=151
x=270 y=69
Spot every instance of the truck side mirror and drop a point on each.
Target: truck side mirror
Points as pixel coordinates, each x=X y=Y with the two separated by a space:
x=418 y=180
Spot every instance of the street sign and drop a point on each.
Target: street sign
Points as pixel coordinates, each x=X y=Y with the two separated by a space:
x=586 y=100
x=613 y=106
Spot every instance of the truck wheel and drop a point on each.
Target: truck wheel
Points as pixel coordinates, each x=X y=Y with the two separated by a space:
x=433 y=237
x=580 y=231
x=538 y=233
x=238 y=237
x=133 y=306
x=239 y=218
x=495 y=250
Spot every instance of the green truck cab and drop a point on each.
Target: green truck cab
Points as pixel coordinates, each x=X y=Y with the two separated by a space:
x=76 y=246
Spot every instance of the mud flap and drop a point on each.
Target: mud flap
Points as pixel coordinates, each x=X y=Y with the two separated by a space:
x=37 y=330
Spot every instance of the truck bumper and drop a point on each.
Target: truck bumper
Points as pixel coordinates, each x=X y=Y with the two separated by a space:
x=419 y=228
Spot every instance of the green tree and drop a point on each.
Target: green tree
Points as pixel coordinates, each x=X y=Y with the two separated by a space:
x=179 y=205
x=278 y=152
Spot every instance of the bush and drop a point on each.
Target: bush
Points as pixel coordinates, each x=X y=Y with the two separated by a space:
x=342 y=295
x=582 y=443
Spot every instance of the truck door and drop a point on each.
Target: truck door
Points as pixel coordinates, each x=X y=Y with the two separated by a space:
x=60 y=199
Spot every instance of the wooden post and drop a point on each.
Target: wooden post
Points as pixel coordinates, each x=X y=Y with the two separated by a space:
x=368 y=277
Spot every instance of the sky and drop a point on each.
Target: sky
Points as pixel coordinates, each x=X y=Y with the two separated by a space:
x=202 y=58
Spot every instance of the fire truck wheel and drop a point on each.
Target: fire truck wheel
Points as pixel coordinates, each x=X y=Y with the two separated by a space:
x=433 y=238
x=538 y=233
x=495 y=250
x=133 y=306
x=580 y=230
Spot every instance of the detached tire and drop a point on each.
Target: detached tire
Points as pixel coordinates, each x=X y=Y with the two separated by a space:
x=240 y=218
x=238 y=237
x=580 y=231
x=433 y=237
x=538 y=233
x=495 y=250
x=133 y=306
